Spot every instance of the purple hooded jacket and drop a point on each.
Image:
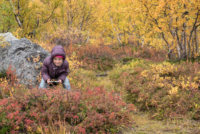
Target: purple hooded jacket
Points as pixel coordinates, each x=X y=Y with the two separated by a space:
x=50 y=70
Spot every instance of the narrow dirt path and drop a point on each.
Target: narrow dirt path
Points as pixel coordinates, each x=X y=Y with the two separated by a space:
x=144 y=125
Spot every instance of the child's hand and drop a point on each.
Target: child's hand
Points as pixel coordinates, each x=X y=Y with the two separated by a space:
x=48 y=81
x=60 y=81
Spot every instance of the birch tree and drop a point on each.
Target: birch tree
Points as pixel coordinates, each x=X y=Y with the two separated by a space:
x=176 y=22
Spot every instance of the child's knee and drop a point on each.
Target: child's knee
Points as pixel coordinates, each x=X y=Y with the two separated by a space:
x=66 y=84
x=43 y=84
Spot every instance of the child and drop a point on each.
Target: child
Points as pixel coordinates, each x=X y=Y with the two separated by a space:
x=55 y=67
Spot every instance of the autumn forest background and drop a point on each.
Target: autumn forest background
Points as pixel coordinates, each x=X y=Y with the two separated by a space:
x=134 y=66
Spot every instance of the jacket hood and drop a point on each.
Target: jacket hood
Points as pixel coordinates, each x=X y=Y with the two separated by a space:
x=58 y=50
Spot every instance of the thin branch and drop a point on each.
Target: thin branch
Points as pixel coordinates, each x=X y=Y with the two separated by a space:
x=16 y=15
x=115 y=31
x=50 y=15
x=194 y=27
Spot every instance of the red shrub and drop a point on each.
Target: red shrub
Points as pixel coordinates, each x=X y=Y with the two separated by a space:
x=11 y=76
x=85 y=111
x=104 y=57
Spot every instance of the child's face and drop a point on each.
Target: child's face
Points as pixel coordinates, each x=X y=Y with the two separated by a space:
x=57 y=61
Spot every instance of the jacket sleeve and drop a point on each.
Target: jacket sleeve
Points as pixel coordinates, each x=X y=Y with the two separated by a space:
x=64 y=74
x=44 y=71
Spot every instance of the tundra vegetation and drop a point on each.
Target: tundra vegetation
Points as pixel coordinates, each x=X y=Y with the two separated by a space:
x=147 y=52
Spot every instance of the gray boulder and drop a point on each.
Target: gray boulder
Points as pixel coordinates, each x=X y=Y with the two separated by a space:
x=7 y=37
x=26 y=57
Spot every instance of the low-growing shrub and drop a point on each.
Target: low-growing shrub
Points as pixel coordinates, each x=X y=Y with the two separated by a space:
x=82 y=78
x=97 y=58
x=89 y=111
x=151 y=54
x=119 y=75
x=167 y=90
x=9 y=84
x=3 y=74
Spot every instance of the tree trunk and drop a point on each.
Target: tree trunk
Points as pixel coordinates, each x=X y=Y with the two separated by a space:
x=196 y=42
x=193 y=46
x=170 y=54
x=88 y=37
x=178 y=44
x=142 y=40
x=179 y=51
x=115 y=31
x=185 y=44
x=189 y=50
x=138 y=42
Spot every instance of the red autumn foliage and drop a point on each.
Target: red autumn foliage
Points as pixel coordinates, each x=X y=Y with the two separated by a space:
x=92 y=110
x=104 y=57
x=11 y=76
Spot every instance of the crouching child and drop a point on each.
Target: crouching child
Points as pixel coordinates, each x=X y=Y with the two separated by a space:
x=55 y=67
